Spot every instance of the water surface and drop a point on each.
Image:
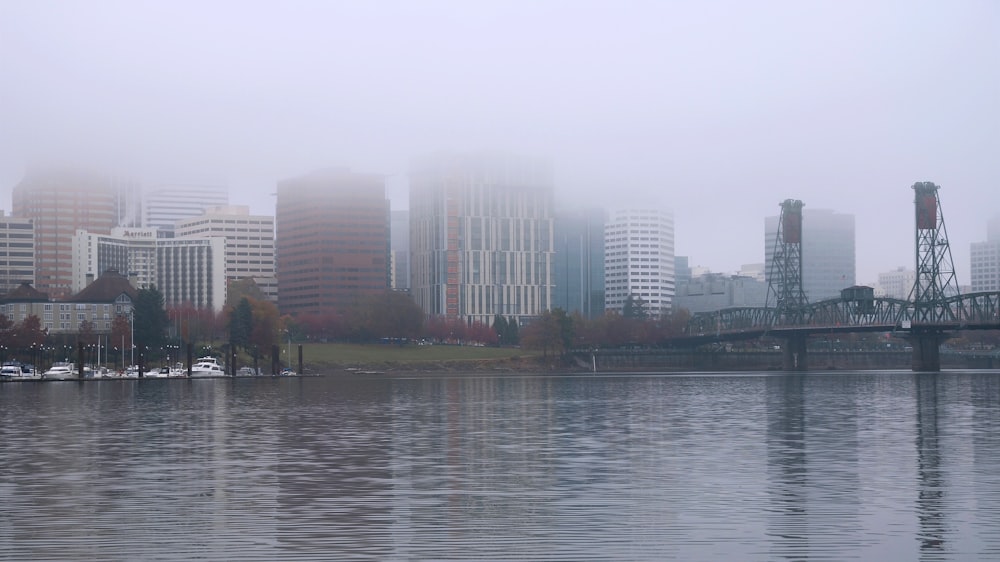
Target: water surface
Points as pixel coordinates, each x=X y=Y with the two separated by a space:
x=825 y=466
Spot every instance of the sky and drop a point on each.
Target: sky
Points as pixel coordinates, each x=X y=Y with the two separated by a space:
x=716 y=110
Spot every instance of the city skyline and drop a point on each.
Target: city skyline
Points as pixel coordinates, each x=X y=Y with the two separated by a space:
x=718 y=111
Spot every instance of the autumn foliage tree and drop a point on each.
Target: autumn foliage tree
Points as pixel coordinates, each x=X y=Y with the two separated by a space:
x=23 y=337
x=550 y=332
x=388 y=314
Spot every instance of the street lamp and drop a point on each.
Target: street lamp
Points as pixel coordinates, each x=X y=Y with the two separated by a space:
x=131 y=337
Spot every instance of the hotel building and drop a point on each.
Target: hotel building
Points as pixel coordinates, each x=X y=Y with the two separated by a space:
x=185 y=270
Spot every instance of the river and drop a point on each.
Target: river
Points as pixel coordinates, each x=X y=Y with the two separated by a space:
x=753 y=466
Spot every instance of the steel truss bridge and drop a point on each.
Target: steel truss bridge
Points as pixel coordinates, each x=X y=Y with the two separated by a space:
x=973 y=311
x=934 y=309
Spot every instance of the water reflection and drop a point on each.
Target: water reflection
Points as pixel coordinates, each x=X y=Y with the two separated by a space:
x=759 y=466
x=930 y=497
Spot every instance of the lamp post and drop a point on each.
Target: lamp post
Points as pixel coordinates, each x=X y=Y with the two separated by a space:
x=131 y=337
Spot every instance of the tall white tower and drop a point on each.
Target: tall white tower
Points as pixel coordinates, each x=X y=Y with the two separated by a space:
x=639 y=259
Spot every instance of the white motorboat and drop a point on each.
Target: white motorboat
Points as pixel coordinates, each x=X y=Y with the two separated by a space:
x=14 y=371
x=207 y=367
x=61 y=372
x=160 y=373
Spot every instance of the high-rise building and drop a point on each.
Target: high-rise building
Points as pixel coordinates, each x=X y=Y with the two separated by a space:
x=128 y=201
x=249 y=243
x=166 y=203
x=896 y=284
x=17 y=252
x=481 y=239
x=682 y=270
x=332 y=240
x=192 y=271
x=61 y=201
x=985 y=259
x=828 y=255
x=187 y=271
x=400 y=248
x=639 y=260
x=578 y=262
x=130 y=251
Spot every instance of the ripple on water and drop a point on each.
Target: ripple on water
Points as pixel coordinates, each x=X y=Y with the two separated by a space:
x=825 y=466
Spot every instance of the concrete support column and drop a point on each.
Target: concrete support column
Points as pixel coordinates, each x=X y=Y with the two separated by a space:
x=795 y=353
x=926 y=350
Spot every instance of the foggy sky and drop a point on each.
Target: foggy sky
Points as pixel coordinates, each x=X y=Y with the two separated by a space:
x=716 y=110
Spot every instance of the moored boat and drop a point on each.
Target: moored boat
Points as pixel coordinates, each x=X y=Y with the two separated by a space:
x=207 y=367
x=60 y=372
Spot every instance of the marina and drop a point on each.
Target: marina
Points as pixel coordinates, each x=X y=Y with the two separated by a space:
x=63 y=371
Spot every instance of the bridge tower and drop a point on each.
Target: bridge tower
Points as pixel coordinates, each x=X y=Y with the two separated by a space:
x=784 y=283
x=935 y=279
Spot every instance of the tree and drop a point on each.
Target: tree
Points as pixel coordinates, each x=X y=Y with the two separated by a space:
x=565 y=324
x=26 y=334
x=245 y=288
x=500 y=327
x=388 y=314
x=267 y=324
x=481 y=333
x=324 y=325
x=150 y=320
x=544 y=333
x=513 y=336
x=634 y=307
x=121 y=334
x=241 y=322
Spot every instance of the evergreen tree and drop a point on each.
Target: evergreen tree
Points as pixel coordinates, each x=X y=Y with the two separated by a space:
x=634 y=307
x=241 y=324
x=566 y=328
x=500 y=327
x=150 y=320
x=513 y=337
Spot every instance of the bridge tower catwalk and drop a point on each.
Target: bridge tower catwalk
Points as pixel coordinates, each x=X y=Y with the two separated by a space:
x=935 y=279
x=784 y=283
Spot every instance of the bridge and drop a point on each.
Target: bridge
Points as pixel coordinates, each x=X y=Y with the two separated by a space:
x=934 y=310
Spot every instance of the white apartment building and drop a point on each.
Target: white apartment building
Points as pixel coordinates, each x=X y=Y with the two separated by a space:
x=639 y=259
x=249 y=243
x=481 y=236
x=896 y=284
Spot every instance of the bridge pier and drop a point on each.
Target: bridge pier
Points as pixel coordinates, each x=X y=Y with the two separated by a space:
x=794 y=353
x=926 y=350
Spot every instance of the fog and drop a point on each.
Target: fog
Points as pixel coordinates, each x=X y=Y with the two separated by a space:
x=716 y=110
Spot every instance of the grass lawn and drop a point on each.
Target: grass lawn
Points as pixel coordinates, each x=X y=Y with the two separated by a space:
x=356 y=354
